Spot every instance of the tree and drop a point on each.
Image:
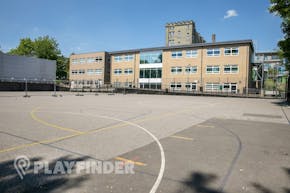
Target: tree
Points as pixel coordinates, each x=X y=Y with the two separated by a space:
x=25 y=48
x=282 y=8
x=46 y=48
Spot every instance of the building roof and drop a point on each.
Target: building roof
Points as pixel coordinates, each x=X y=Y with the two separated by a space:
x=179 y=23
x=195 y=45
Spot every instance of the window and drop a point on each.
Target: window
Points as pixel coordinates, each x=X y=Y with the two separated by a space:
x=74 y=72
x=191 y=69
x=231 y=69
x=99 y=59
x=212 y=86
x=177 y=54
x=213 y=52
x=81 y=71
x=117 y=71
x=176 y=70
x=151 y=57
x=118 y=58
x=171 y=42
x=212 y=69
x=175 y=86
x=90 y=71
x=171 y=34
x=128 y=71
x=191 y=53
x=82 y=60
x=190 y=86
x=128 y=58
x=98 y=71
x=90 y=60
x=150 y=73
x=74 y=61
x=231 y=51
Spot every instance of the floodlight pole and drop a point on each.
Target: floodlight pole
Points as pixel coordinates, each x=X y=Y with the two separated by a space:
x=54 y=89
x=26 y=88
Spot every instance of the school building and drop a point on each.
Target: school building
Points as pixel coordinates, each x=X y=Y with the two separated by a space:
x=207 y=67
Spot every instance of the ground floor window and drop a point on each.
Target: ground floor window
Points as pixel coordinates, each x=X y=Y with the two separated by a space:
x=175 y=86
x=128 y=84
x=190 y=86
x=212 y=86
x=150 y=85
x=230 y=87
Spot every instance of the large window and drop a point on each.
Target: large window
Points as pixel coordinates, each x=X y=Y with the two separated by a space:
x=231 y=69
x=176 y=70
x=212 y=69
x=117 y=71
x=231 y=51
x=128 y=58
x=191 y=53
x=128 y=71
x=212 y=86
x=213 y=52
x=150 y=73
x=191 y=69
x=190 y=86
x=151 y=57
x=176 y=54
x=118 y=58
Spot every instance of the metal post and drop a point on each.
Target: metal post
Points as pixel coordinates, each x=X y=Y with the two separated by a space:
x=26 y=88
x=54 y=89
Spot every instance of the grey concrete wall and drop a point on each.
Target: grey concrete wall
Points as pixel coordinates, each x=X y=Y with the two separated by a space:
x=20 y=67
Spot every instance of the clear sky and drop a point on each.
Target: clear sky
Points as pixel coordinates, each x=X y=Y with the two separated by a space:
x=108 y=25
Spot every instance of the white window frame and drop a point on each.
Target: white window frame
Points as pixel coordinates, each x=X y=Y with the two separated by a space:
x=214 y=86
x=176 y=70
x=231 y=51
x=129 y=57
x=128 y=71
x=231 y=69
x=118 y=58
x=175 y=86
x=213 y=50
x=191 y=53
x=212 y=71
x=192 y=69
x=117 y=71
x=176 y=54
x=189 y=86
x=98 y=71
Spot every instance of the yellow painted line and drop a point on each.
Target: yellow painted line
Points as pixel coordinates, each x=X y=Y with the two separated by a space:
x=209 y=126
x=130 y=161
x=34 y=117
x=79 y=133
x=181 y=137
x=37 y=143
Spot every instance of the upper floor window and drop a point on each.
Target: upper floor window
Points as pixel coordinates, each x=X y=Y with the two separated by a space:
x=231 y=51
x=82 y=60
x=74 y=61
x=212 y=69
x=176 y=70
x=99 y=59
x=117 y=71
x=213 y=52
x=128 y=71
x=81 y=71
x=176 y=54
x=128 y=58
x=191 y=53
x=228 y=69
x=118 y=58
x=191 y=69
x=74 y=72
x=90 y=60
x=151 y=57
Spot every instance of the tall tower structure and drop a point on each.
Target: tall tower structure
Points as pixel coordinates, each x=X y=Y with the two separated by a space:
x=182 y=33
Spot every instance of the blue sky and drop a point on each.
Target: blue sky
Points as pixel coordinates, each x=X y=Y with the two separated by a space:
x=97 y=25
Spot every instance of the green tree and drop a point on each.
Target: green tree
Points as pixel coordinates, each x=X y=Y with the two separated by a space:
x=282 y=8
x=46 y=48
x=25 y=48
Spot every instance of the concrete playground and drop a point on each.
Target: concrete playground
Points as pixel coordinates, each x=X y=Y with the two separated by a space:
x=176 y=144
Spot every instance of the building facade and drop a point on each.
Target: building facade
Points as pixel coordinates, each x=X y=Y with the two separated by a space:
x=207 y=67
x=89 y=69
x=182 y=33
x=20 y=68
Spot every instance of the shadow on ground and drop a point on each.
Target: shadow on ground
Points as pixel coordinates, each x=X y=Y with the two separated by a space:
x=263 y=189
x=11 y=182
x=200 y=182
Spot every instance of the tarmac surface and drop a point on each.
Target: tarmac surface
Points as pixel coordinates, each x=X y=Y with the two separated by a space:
x=173 y=144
